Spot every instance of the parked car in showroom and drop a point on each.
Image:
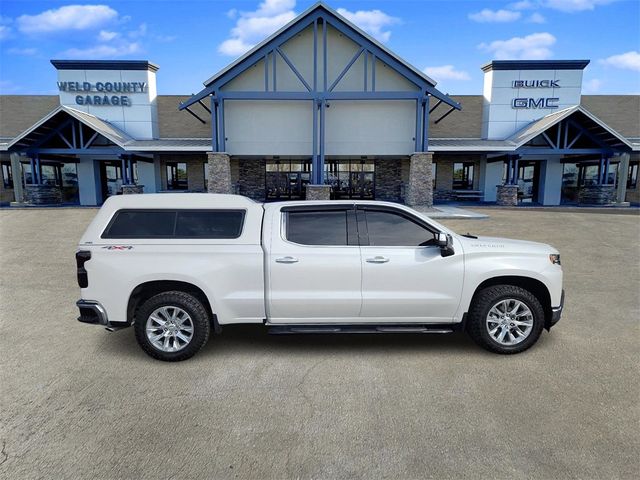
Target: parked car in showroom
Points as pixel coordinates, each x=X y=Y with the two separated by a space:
x=179 y=267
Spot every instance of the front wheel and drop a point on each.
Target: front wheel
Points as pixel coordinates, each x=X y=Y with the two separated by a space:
x=505 y=319
x=172 y=326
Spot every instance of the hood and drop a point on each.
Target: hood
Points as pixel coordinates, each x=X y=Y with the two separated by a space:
x=506 y=245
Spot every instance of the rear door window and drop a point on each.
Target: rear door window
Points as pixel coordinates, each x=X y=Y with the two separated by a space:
x=328 y=227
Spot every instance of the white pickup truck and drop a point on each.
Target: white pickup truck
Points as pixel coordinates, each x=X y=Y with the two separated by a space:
x=178 y=266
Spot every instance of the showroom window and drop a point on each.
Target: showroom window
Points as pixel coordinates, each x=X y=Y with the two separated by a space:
x=7 y=175
x=463 y=176
x=176 y=176
x=632 y=177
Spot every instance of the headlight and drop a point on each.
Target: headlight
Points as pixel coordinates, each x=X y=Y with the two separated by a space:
x=554 y=258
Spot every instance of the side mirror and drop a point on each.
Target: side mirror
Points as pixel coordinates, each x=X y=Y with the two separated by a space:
x=445 y=242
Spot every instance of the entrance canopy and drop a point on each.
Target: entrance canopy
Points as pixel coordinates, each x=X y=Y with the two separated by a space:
x=67 y=131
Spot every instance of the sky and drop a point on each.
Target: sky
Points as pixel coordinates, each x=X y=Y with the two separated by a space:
x=448 y=40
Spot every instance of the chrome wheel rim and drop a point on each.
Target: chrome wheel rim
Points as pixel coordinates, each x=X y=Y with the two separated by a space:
x=509 y=322
x=169 y=329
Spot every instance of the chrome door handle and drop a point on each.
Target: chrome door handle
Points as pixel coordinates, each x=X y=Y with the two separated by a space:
x=287 y=260
x=378 y=259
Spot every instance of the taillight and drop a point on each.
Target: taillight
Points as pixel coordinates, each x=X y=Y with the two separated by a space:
x=81 y=257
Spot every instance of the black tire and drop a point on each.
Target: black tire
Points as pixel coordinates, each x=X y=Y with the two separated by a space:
x=199 y=319
x=484 y=300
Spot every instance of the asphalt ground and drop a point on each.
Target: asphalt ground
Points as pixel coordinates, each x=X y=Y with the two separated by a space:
x=78 y=402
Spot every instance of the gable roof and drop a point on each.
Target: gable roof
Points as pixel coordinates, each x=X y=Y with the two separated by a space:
x=300 y=18
x=302 y=22
x=529 y=132
x=103 y=127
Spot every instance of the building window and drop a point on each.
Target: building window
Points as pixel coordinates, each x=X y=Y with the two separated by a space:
x=7 y=175
x=350 y=178
x=632 y=177
x=463 y=176
x=176 y=176
x=286 y=179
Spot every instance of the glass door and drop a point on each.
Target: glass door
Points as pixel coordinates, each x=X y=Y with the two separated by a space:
x=528 y=181
x=110 y=179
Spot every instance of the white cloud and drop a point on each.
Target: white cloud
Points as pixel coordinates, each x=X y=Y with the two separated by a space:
x=5 y=29
x=536 y=18
x=252 y=27
x=446 y=72
x=523 y=5
x=104 y=51
x=627 y=61
x=592 y=86
x=374 y=22
x=141 y=31
x=27 y=52
x=5 y=32
x=70 y=17
x=574 y=5
x=532 y=47
x=494 y=16
x=107 y=36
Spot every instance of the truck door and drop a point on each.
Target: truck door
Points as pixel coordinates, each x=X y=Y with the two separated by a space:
x=313 y=265
x=404 y=276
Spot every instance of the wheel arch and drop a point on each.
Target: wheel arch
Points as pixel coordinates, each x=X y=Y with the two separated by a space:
x=146 y=290
x=535 y=286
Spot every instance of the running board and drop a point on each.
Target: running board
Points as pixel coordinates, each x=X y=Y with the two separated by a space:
x=297 y=329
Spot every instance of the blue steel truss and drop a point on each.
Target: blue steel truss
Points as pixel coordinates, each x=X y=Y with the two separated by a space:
x=319 y=91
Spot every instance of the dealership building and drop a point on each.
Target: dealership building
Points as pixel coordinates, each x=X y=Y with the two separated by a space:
x=322 y=110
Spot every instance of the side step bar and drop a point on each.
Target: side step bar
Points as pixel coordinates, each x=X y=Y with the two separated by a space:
x=297 y=329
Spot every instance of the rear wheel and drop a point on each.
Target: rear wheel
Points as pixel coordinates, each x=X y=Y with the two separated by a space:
x=505 y=319
x=172 y=326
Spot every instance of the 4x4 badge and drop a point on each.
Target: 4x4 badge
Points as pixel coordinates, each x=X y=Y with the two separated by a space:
x=118 y=247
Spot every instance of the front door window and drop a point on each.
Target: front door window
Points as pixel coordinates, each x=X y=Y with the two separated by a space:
x=463 y=176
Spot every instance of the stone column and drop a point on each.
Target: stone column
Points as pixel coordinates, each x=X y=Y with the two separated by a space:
x=219 y=173
x=623 y=172
x=507 y=195
x=16 y=170
x=597 y=195
x=419 y=190
x=318 y=192
x=132 y=189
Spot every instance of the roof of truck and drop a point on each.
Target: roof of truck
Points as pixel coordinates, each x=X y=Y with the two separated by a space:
x=178 y=200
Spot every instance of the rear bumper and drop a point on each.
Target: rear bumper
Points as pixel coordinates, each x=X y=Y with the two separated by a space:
x=556 y=312
x=92 y=312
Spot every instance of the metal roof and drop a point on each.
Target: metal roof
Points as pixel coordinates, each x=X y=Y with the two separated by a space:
x=470 y=145
x=170 y=145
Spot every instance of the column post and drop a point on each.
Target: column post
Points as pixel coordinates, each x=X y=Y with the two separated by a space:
x=623 y=172
x=219 y=173
x=16 y=169
x=420 y=186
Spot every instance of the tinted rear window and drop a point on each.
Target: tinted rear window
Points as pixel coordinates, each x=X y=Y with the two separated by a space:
x=175 y=224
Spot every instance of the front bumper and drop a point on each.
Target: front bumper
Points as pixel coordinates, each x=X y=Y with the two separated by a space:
x=556 y=312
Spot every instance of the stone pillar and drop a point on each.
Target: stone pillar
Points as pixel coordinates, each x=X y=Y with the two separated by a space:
x=16 y=170
x=318 y=192
x=132 y=189
x=219 y=173
x=419 y=190
x=507 y=195
x=623 y=172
